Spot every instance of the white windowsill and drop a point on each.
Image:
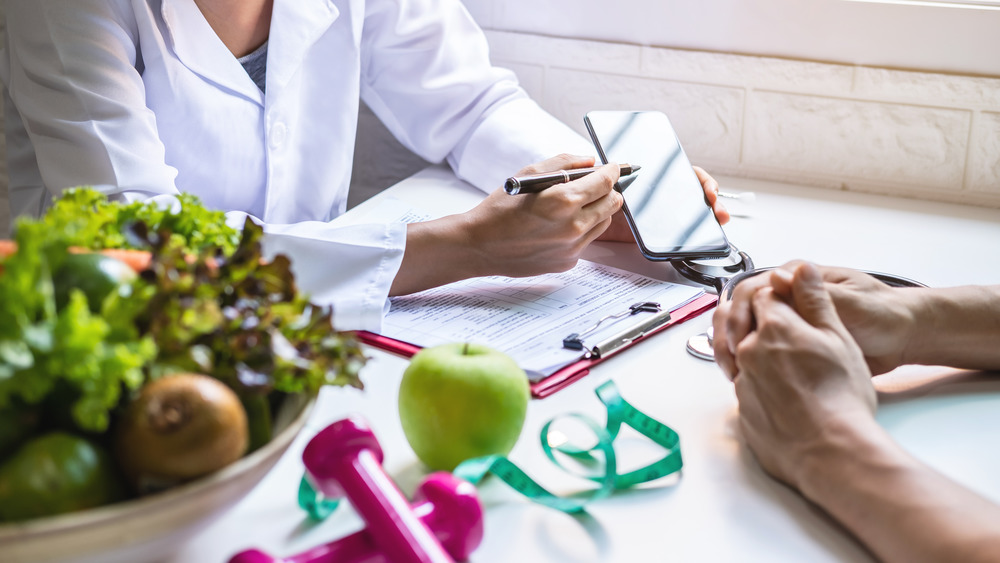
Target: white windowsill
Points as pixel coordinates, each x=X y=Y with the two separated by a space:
x=912 y=35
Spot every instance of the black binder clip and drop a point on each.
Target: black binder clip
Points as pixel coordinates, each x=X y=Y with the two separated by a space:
x=575 y=340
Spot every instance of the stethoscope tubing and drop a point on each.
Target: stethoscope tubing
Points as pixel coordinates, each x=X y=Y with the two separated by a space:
x=724 y=285
x=890 y=280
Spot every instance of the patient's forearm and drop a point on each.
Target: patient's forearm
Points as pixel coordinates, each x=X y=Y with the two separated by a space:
x=958 y=326
x=901 y=509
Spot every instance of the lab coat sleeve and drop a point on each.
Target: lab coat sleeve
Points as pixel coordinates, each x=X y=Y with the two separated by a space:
x=516 y=133
x=71 y=71
x=70 y=67
x=350 y=268
x=426 y=73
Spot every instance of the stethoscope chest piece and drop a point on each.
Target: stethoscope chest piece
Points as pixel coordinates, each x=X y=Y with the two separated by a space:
x=700 y=346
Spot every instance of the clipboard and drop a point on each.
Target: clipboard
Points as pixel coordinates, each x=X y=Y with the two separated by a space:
x=574 y=371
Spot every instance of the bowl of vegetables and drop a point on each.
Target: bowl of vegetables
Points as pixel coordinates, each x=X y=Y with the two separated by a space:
x=149 y=527
x=141 y=398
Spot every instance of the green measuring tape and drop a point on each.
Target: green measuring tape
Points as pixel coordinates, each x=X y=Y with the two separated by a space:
x=619 y=412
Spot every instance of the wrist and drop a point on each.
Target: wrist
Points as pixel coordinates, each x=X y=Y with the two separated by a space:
x=437 y=252
x=846 y=445
x=919 y=303
x=478 y=238
x=956 y=327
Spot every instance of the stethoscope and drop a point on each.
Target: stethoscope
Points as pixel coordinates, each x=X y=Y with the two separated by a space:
x=724 y=274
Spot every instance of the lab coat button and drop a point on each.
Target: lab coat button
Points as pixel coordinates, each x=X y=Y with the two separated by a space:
x=276 y=138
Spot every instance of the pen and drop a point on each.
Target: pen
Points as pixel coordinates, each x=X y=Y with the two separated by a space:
x=537 y=182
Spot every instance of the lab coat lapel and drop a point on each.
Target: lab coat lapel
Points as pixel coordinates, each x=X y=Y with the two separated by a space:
x=199 y=48
x=295 y=26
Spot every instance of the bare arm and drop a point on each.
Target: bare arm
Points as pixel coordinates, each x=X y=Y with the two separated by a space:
x=897 y=506
x=957 y=326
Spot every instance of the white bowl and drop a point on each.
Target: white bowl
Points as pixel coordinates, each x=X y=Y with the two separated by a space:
x=150 y=528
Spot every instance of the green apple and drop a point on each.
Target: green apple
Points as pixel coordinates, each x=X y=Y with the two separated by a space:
x=459 y=401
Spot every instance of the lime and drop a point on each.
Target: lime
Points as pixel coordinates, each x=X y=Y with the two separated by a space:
x=95 y=274
x=56 y=473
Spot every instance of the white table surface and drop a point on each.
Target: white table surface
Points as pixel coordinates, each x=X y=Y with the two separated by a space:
x=723 y=507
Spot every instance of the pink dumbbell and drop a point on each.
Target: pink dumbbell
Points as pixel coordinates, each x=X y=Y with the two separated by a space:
x=344 y=460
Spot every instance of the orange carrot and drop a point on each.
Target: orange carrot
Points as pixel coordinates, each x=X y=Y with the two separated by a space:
x=7 y=247
x=138 y=260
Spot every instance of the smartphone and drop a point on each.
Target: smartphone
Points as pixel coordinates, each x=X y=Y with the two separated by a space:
x=664 y=202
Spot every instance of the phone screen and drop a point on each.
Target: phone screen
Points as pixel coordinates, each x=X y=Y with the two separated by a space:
x=664 y=201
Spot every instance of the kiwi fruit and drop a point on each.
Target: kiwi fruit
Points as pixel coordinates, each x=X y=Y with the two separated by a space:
x=178 y=428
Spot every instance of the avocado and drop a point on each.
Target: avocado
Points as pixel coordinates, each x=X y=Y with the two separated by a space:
x=56 y=473
x=95 y=274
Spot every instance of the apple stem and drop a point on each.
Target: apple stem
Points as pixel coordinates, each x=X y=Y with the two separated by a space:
x=465 y=349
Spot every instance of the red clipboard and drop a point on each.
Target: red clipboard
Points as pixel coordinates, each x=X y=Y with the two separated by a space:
x=567 y=374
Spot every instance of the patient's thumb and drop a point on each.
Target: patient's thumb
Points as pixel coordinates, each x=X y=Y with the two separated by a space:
x=812 y=300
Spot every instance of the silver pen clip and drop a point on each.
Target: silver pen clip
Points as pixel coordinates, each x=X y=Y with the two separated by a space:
x=575 y=341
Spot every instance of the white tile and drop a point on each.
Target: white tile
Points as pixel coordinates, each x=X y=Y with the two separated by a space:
x=927 y=88
x=566 y=53
x=883 y=143
x=708 y=119
x=983 y=174
x=752 y=72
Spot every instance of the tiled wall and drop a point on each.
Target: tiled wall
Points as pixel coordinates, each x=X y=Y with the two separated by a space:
x=916 y=134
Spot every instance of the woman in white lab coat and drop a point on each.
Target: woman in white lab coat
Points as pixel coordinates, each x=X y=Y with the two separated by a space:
x=148 y=98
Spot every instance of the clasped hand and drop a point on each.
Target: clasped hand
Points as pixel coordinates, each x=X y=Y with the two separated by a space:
x=800 y=344
x=799 y=375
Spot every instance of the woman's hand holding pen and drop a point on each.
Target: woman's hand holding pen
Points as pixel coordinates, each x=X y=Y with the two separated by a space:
x=546 y=232
x=513 y=236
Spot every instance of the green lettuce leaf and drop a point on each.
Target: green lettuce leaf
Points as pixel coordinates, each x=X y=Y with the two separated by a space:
x=85 y=217
x=41 y=347
x=243 y=320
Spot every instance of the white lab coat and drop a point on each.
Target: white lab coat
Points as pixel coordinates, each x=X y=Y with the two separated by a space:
x=142 y=98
